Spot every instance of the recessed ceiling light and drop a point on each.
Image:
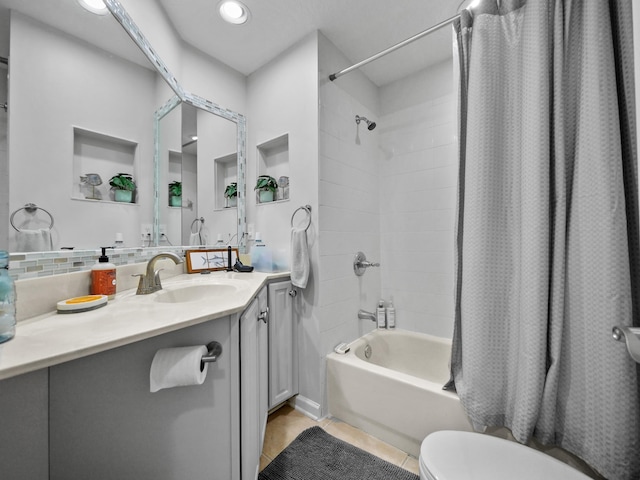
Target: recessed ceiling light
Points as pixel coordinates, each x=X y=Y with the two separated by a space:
x=94 y=6
x=233 y=11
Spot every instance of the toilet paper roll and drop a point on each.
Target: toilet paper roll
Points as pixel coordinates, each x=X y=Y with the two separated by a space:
x=177 y=367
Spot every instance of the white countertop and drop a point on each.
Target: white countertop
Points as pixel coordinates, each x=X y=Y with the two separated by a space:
x=53 y=338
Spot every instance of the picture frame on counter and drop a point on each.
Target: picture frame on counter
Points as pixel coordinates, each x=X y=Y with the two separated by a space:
x=212 y=259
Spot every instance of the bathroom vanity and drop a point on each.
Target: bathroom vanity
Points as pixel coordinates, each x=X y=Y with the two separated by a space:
x=75 y=399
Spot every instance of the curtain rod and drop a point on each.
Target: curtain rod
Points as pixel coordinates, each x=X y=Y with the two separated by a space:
x=395 y=47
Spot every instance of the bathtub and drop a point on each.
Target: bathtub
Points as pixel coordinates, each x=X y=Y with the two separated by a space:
x=396 y=394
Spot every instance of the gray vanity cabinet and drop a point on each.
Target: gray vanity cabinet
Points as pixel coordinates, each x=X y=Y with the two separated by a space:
x=253 y=383
x=283 y=354
x=105 y=424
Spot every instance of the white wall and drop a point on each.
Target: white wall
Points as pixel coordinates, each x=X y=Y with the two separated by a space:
x=282 y=98
x=418 y=177
x=349 y=200
x=213 y=80
x=156 y=27
x=57 y=83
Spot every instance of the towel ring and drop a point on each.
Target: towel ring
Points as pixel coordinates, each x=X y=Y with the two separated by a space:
x=306 y=208
x=201 y=220
x=30 y=208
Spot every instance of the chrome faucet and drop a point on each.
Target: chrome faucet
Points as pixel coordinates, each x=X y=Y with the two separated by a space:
x=364 y=315
x=150 y=281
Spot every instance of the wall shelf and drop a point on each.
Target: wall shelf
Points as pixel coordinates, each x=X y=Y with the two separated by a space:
x=105 y=155
x=273 y=160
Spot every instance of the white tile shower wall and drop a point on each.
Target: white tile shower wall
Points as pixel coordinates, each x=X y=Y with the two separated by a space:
x=418 y=176
x=349 y=205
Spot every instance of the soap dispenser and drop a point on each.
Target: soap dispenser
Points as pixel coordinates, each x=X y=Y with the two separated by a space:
x=261 y=257
x=103 y=277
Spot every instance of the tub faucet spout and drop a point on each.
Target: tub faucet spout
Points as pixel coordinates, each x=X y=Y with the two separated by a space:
x=364 y=315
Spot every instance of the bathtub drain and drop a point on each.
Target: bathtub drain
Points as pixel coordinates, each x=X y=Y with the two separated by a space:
x=367 y=351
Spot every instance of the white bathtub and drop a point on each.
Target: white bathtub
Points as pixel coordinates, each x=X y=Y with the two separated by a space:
x=395 y=395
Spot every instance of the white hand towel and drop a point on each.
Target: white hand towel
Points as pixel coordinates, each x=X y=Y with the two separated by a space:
x=299 y=257
x=34 y=240
x=194 y=239
x=177 y=367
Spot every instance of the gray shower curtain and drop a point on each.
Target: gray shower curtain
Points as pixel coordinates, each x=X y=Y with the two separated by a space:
x=547 y=233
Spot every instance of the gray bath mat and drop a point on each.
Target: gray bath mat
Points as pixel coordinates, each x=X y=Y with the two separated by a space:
x=316 y=455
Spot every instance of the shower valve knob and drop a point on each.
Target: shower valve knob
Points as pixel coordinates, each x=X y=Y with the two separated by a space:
x=360 y=264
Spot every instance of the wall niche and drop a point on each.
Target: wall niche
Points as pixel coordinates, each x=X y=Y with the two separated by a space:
x=226 y=172
x=96 y=158
x=273 y=160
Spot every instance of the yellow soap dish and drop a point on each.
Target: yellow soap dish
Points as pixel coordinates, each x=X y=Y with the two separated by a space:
x=82 y=304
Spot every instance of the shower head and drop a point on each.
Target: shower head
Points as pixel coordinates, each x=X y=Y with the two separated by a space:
x=370 y=125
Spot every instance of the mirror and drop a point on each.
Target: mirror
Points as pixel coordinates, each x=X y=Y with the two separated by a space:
x=80 y=99
x=198 y=149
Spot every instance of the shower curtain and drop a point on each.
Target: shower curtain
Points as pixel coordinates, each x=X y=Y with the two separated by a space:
x=547 y=235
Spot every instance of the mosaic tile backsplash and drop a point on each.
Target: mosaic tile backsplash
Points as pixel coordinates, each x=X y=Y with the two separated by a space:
x=42 y=264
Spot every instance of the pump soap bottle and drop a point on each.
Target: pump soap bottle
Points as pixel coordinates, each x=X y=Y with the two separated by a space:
x=103 y=277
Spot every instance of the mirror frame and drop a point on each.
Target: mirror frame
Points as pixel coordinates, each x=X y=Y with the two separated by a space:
x=214 y=109
x=121 y=15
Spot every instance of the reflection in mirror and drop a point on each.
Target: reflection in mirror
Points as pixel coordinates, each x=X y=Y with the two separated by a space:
x=79 y=102
x=79 y=97
x=202 y=105
x=198 y=148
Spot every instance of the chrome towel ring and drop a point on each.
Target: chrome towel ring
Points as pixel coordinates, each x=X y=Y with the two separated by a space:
x=307 y=209
x=30 y=208
x=201 y=220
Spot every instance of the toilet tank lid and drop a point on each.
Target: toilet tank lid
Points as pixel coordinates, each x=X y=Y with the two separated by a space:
x=453 y=455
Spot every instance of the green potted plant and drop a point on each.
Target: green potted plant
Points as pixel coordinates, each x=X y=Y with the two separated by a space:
x=266 y=187
x=175 y=194
x=123 y=187
x=231 y=194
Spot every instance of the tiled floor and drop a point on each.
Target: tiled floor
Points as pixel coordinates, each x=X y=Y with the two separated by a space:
x=285 y=424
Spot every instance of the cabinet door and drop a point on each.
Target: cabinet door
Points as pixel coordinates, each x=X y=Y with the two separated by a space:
x=253 y=383
x=283 y=355
x=263 y=362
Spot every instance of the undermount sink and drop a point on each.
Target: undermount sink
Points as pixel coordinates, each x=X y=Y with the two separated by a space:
x=194 y=293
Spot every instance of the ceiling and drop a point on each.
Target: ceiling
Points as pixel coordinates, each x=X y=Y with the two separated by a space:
x=359 y=28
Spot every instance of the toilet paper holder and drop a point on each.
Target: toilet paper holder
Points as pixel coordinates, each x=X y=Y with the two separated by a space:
x=214 y=350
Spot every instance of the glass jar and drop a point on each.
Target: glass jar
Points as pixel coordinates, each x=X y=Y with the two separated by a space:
x=283 y=188
x=7 y=300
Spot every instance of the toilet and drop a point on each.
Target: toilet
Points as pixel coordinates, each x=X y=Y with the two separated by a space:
x=453 y=455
